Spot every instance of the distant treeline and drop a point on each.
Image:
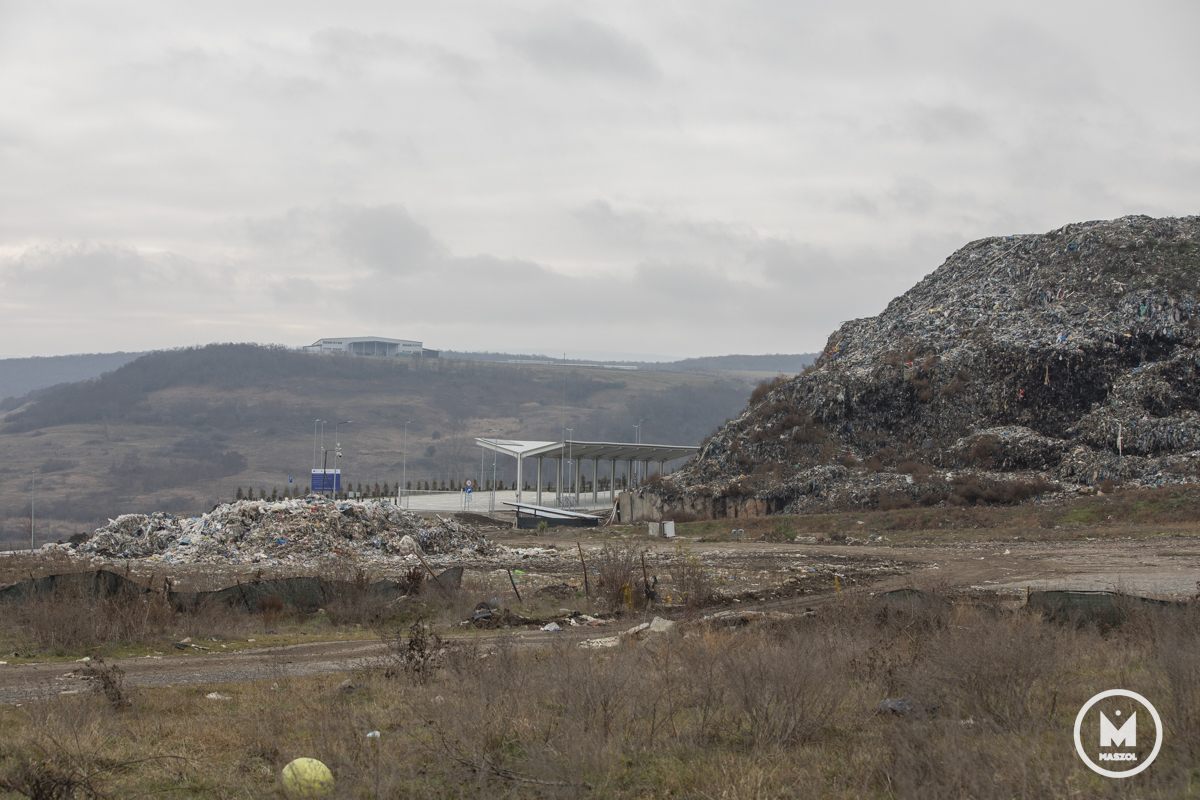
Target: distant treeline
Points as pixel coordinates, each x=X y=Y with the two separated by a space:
x=20 y=376
x=459 y=390
x=788 y=363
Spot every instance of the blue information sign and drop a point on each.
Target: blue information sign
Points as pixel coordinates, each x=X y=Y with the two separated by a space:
x=326 y=480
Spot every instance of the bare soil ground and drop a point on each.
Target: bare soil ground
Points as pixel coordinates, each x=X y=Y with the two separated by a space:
x=1151 y=560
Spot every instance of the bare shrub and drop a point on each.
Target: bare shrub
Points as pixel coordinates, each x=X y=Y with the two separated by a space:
x=765 y=388
x=42 y=779
x=890 y=501
x=271 y=608
x=932 y=498
x=953 y=388
x=782 y=692
x=690 y=577
x=72 y=616
x=417 y=655
x=348 y=599
x=972 y=490
x=211 y=618
x=618 y=569
x=985 y=452
x=1005 y=672
x=111 y=681
x=914 y=468
x=808 y=434
x=1176 y=649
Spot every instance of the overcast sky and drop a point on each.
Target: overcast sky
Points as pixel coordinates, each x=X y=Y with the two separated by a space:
x=683 y=179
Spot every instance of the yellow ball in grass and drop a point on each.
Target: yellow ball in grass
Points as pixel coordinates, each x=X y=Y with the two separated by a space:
x=307 y=777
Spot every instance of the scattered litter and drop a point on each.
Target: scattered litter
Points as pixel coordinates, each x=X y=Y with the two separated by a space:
x=607 y=641
x=902 y=706
x=217 y=696
x=552 y=627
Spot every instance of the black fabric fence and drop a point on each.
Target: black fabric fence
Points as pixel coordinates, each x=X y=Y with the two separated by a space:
x=301 y=593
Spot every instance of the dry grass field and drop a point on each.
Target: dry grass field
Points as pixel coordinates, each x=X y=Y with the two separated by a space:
x=786 y=709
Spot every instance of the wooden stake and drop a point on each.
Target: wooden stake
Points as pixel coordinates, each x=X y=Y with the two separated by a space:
x=514 y=585
x=645 y=579
x=586 y=591
x=435 y=577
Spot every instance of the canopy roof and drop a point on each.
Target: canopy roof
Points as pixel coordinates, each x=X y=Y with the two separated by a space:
x=621 y=451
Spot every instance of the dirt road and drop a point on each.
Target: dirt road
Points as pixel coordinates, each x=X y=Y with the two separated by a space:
x=1163 y=564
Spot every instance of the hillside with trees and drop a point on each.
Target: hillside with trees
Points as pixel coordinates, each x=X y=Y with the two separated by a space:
x=179 y=430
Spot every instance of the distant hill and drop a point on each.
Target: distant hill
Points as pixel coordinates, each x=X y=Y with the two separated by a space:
x=785 y=363
x=789 y=363
x=19 y=376
x=180 y=429
x=487 y=355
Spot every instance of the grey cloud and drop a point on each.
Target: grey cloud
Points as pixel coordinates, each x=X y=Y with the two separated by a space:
x=1018 y=58
x=385 y=238
x=771 y=166
x=352 y=51
x=945 y=123
x=570 y=45
x=657 y=236
x=94 y=272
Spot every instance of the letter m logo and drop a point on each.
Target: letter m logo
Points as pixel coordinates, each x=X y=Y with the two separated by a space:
x=1112 y=736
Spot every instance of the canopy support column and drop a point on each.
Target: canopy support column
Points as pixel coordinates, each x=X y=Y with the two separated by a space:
x=520 y=476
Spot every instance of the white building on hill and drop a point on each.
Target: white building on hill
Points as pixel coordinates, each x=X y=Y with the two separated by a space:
x=370 y=346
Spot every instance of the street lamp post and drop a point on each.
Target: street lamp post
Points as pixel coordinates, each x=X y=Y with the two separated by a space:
x=314 y=463
x=637 y=439
x=32 y=498
x=482 y=453
x=337 y=445
x=405 y=473
x=571 y=462
x=493 y=509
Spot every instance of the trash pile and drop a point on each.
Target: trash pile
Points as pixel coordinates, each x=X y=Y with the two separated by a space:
x=263 y=531
x=1069 y=357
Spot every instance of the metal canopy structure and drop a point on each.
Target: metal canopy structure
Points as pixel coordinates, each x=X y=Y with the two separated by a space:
x=577 y=452
x=548 y=513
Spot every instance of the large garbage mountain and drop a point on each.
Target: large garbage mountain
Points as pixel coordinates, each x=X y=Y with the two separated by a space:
x=1023 y=364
